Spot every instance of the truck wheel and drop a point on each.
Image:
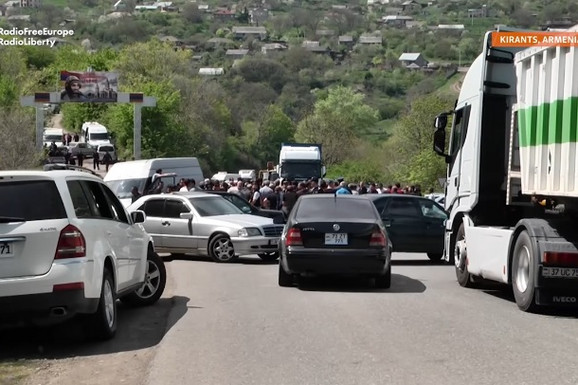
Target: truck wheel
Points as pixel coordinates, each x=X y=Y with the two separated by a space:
x=153 y=285
x=221 y=249
x=523 y=270
x=461 y=259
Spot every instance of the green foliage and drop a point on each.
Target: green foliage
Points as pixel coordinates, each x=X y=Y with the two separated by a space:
x=356 y=171
x=337 y=122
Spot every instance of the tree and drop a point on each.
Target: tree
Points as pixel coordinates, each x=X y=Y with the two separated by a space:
x=18 y=139
x=337 y=122
x=191 y=13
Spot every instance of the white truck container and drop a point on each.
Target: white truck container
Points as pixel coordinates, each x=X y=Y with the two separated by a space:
x=511 y=189
x=300 y=161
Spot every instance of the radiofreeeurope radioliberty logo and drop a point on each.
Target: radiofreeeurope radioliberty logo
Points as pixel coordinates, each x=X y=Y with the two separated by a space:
x=28 y=36
x=535 y=39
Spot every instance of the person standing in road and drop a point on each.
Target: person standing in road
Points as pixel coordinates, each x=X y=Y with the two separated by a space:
x=95 y=160
x=80 y=158
x=106 y=158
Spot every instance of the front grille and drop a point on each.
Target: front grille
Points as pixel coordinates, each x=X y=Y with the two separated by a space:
x=273 y=231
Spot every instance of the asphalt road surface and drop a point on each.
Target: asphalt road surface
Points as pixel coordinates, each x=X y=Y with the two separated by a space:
x=231 y=324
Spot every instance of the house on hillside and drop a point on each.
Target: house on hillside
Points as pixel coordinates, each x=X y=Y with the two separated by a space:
x=258 y=16
x=413 y=60
x=243 y=32
x=30 y=3
x=272 y=47
x=474 y=13
x=236 y=53
x=346 y=40
x=224 y=15
x=396 y=20
x=211 y=71
x=411 y=6
x=371 y=40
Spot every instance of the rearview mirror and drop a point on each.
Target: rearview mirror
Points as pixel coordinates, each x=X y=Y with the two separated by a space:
x=138 y=216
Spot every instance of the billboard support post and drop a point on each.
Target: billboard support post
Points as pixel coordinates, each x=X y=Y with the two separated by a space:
x=39 y=99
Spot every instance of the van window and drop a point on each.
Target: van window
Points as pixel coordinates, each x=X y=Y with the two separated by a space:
x=99 y=136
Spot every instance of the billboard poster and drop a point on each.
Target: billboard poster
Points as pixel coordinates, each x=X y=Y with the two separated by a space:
x=89 y=87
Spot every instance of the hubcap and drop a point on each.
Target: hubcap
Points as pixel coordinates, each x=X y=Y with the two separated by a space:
x=224 y=249
x=523 y=271
x=152 y=281
x=460 y=254
x=108 y=303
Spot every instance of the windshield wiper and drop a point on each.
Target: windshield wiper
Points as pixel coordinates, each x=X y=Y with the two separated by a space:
x=11 y=219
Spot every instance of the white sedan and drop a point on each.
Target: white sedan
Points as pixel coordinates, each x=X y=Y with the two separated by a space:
x=206 y=224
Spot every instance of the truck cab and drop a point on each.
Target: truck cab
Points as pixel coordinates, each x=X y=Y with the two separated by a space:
x=503 y=172
x=300 y=162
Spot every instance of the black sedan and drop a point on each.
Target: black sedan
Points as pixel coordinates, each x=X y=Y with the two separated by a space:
x=277 y=215
x=329 y=234
x=415 y=224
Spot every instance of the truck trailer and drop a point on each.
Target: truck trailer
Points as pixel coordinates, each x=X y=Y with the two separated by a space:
x=512 y=177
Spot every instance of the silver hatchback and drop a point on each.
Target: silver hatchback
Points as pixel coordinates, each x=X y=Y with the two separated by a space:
x=206 y=224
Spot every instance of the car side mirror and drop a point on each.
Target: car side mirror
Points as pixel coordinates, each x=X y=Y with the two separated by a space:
x=138 y=216
x=188 y=216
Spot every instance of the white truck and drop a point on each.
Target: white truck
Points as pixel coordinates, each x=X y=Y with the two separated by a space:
x=300 y=162
x=512 y=177
x=95 y=134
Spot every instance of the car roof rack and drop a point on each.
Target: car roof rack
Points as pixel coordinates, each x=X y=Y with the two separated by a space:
x=62 y=166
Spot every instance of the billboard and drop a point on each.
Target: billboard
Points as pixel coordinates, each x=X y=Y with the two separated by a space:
x=89 y=87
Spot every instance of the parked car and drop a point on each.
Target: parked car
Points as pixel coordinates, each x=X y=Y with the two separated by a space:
x=248 y=208
x=329 y=234
x=73 y=252
x=103 y=148
x=83 y=148
x=59 y=156
x=415 y=224
x=206 y=224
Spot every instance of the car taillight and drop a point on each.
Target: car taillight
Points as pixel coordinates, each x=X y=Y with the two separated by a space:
x=553 y=258
x=377 y=239
x=71 y=244
x=294 y=237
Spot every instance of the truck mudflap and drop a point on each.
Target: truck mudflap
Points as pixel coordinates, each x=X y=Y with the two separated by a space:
x=557 y=286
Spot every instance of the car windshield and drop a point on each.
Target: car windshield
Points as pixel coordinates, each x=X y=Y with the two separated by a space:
x=20 y=201
x=211 y=206
x=99 y=136
x=122 y=188
x=50 y=138
x=333 y=208
x=292 y=170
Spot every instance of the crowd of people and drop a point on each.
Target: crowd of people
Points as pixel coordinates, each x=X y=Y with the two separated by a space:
x=282 y=195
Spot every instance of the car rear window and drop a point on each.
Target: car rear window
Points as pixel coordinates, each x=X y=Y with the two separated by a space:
x=31 y=200
x=335 y=208
x=106 y=148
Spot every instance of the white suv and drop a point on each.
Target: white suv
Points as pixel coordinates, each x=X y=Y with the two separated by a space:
x=68 y=247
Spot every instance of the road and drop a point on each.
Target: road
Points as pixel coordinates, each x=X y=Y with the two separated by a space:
x=230 y=324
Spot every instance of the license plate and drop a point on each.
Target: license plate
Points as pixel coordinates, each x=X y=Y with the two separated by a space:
x=559 y=272
x=336 y=239
x=6 y=249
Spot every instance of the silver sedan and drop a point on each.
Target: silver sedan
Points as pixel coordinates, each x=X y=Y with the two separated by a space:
x=206 y=224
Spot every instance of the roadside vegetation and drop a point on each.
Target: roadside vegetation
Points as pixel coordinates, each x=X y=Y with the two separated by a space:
x=372 y=115
x=14 y=373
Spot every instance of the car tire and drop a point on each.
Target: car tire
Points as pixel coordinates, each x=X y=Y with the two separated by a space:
x=285 y=279
x=102 y=324
x=523 y=272
x=384 y=281
x=273 y=256
x=153 y=286
x=221 y=249
x=434 y=257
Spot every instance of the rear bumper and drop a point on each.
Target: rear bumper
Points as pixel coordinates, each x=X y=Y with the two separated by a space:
x=45 y=308
x=335 y=262
x=556 y=291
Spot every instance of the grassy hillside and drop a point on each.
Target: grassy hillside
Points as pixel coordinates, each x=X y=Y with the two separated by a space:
x=451 y=89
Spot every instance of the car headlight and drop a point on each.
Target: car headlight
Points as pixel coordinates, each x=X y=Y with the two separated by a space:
x=249 y=232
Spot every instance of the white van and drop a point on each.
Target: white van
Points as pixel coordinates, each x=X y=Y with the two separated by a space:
x=95 y=133
x=224 y=176
x=53 y=135
x=123 y=176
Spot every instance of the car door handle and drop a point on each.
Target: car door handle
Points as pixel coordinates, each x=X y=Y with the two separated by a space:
x=166 y=223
